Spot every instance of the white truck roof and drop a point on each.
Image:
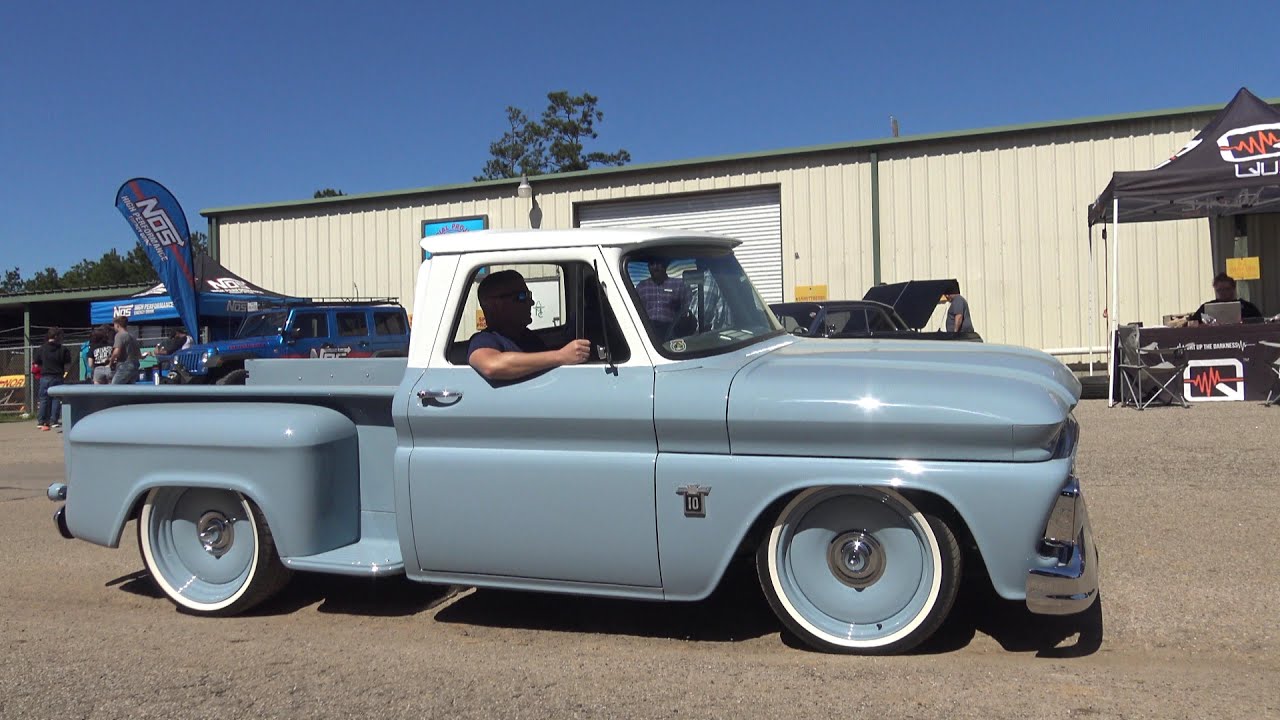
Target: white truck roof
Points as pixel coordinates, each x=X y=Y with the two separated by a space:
x=498 y=240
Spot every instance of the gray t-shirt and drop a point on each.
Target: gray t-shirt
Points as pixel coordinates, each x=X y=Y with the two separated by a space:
x=128 y=347
x=959 y=306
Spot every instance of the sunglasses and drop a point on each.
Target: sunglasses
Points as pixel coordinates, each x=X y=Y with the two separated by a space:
x=519 y=295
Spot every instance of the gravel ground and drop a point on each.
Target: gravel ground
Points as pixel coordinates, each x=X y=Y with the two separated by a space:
x=1184 y=503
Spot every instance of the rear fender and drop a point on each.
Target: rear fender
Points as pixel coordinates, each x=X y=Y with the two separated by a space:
x=299 y=463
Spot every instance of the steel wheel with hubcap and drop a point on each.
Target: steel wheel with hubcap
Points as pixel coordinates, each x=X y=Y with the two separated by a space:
x=859 y=570
x=209 y=550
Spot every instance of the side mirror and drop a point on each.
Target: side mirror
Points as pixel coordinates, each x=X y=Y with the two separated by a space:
x=800 y=331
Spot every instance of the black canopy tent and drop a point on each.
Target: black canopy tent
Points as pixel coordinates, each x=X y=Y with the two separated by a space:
x=1231 y=167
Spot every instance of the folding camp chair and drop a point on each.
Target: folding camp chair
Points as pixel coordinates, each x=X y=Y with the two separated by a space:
x=1273 y=395
x=1164 y=377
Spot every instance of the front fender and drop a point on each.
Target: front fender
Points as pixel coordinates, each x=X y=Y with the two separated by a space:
x=299 y=463
x=1004 y=505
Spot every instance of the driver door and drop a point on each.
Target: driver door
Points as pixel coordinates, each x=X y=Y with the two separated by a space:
x=549 y=478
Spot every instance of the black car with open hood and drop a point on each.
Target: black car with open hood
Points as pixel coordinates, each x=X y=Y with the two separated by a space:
x=897 y=310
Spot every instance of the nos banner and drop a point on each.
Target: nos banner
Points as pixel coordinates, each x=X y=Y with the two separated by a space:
x=161 y=227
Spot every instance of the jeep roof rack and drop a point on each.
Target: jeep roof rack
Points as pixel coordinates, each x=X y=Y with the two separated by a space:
x=351 y=301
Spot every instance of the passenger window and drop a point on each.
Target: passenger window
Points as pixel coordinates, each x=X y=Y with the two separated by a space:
x=311 y=325
x=352 y=324
x=388 y=323
x=564 y=307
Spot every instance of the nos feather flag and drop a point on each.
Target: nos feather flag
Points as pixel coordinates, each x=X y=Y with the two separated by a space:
x=156 y=217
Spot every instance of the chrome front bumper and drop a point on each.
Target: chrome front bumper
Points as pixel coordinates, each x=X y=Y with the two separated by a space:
x=1067 y=582
x=57 y=492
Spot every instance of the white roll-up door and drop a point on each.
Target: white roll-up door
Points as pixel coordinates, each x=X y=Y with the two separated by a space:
x=752 y=216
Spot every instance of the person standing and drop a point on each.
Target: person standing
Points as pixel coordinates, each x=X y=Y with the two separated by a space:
x=958 y=316
x=125 y=354
x=663 y=297
x=100 y=354
x=54 y=360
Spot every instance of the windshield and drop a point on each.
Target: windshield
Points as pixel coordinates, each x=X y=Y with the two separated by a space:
x=697 y=301
x=262 y=324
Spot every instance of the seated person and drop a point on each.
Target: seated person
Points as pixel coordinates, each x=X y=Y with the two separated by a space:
x=507 y=349
x=178 y=340
x=663 y=297
x=1224 y=290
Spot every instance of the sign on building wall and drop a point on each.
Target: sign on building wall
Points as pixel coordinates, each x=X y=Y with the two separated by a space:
x=453 y=225
x=810 y=293
x=1244 y=268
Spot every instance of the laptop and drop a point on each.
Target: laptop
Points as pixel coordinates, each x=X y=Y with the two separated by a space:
x=1223 y=313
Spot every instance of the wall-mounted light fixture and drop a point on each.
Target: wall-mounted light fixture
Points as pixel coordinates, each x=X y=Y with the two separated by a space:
x=525 y=190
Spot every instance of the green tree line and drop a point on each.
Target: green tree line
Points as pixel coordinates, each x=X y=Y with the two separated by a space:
x=131 y=268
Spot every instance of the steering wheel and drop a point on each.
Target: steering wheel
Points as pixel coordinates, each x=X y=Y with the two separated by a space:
x=682 y=326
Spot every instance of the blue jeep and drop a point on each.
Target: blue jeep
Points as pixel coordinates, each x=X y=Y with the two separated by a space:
x=305 y=331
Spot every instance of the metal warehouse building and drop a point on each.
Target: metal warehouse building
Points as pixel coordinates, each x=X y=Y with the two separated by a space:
x=1004 y=210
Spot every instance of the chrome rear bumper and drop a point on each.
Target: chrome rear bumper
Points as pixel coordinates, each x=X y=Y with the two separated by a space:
x=1068 y=582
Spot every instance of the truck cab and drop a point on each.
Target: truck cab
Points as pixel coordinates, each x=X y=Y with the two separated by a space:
x=347 y=330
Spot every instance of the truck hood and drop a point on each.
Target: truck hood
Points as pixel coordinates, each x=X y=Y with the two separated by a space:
x=901 y=400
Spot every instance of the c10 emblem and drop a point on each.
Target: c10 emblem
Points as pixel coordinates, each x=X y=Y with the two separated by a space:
x=695 y=503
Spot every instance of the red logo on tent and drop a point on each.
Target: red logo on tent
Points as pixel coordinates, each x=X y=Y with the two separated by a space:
x=1217 y=379
x=1250 y=143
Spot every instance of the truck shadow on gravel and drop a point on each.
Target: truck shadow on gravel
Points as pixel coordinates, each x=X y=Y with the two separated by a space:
x=376 y=597
x=979 y=609
x=736 y=611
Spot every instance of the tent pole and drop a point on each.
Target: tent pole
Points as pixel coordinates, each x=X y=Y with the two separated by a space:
x=1114 y=240
x=1115 y=264
x=1092 y=282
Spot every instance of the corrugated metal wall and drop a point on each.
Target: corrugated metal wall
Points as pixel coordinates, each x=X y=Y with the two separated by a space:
x=752 y=216
x=1264 y=242
x=372 y=246
x=1005 y=214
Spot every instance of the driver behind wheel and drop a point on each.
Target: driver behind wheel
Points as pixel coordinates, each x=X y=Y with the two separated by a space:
x=507 y=349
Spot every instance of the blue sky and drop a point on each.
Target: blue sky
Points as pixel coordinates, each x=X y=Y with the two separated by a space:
x=244 y=102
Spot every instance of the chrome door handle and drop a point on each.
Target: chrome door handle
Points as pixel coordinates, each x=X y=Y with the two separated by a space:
x=425 y=395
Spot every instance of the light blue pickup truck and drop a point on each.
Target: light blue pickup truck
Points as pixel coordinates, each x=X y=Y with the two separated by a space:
x=865 y=477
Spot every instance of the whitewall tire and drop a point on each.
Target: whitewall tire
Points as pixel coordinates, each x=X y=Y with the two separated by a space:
x=859 y=570
x=209 y=550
